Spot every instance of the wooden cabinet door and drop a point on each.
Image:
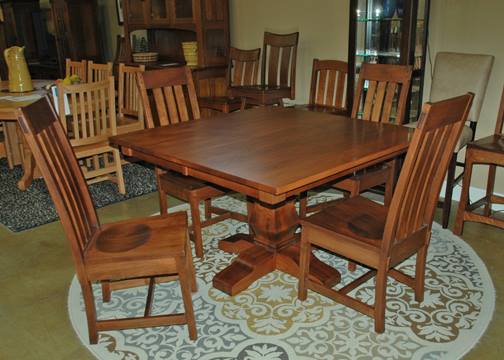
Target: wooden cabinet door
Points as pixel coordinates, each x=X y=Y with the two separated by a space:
x=159 y=12
x=183 y=12
x=137 y=11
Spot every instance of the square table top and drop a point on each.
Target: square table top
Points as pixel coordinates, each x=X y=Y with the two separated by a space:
x=275 y=151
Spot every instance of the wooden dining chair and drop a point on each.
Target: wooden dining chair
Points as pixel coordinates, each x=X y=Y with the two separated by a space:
x=88 y=114
x=174 y=101
x=380 y=237
x=455 y=74
x=129 y=104
x=327 y=87
x=98 y=72
x=488 y=151
x=242 y=70
x=141 y=248
x=377 y=88
x=278 y=73
x=78 y=68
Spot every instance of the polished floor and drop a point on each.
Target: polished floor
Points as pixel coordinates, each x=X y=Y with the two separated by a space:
x=36 y=269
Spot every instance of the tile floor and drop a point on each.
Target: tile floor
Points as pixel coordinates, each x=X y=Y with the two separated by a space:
x=36 y=269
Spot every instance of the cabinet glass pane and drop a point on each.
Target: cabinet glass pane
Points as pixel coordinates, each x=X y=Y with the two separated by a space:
x=183 y=9
x=136 y=10
x=159 y=9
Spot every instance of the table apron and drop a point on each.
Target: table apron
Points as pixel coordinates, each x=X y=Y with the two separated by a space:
x=263 y=196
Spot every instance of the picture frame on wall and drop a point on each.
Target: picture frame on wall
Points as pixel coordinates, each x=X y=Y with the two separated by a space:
x=120 y=12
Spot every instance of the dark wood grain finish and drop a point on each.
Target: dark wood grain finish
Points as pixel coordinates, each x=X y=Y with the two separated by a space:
x=488 y=151
x=267 y=154
x=148 y=247
x=243 y=68
x=169 y=98
x=278 y=74
x=380 y=237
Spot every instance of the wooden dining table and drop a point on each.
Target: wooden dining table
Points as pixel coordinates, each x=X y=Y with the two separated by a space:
x=16 y=149
x=271 y=155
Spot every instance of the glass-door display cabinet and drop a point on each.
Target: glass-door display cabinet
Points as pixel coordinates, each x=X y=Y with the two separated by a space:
x=389 y=32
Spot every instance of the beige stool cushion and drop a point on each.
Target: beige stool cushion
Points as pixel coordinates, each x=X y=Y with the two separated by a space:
x=464 y=139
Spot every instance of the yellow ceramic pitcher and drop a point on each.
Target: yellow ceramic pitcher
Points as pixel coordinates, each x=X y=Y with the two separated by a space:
x=19 y=76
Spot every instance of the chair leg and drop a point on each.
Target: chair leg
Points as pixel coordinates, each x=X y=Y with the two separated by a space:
x=450 y=180
x=196 y=225
x=87 y=293
x=380 y=299
x=208 y=213
x=303 y=204
x=464 y=197
x=243 y=103
x=190 y=267
x=420 y=274
x=353 y=193
x=390 y=184
x=163 y=198
x=185 y=285
x=489 y=189
x=119 y=172
x=106 y=293
x=304 y=266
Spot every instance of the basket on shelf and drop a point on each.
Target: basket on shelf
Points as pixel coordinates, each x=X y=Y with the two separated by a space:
x=145 y=57
x=190 y=50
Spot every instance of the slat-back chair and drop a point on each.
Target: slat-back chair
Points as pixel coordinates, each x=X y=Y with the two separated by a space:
x=78 y=68
x=489 y=151
x=278 y=72
x=99 y=72
x=242 y=70
x=328 y=84
x=384 y=84
x=130 y=113
x=89 y=120
x=173 y=95
x=380 y=237
x=147 y=248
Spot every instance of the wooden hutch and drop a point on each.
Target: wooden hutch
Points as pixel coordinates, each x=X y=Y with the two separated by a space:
x=168 y=23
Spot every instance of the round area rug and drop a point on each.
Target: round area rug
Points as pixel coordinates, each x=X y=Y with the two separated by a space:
x=268 y=322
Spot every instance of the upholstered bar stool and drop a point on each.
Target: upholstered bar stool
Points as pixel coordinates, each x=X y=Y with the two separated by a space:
x=456 y=74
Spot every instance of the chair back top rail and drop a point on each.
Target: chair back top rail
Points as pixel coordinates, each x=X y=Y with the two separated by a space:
x=173 y=95
x=92 y=117
x=279 y=60
x=99 y=72
x=243 y=67
x=63 y=176
x=416 y=195
x=383 y=83
x=128 y=97
x=78 y=68
x=328 y=83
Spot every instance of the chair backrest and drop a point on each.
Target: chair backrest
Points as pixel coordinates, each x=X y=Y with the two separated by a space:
x=91 y=117
x=173 y=95
x=328 y=83
x=457 y=73
x=78 y=68
x=383 y=82
x=500 y=116
x=243 y=67
x=99 y=72
x=279 y=60
x=431 y=148
x=128 y=97
x=63 y=176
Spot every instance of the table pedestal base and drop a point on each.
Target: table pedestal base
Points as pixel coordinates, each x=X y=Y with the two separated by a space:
x=257 y=259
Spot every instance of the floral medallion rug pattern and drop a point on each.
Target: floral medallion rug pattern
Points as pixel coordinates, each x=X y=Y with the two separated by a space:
x=268 y=322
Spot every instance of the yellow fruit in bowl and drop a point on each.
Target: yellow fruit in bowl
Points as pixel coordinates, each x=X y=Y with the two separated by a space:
x=67 y=81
